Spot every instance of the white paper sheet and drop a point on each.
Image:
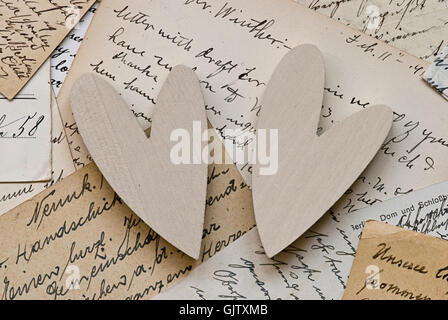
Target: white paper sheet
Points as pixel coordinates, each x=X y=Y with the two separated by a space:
x=25 y=132
x=13 y=194
x=437 y=73
x=65 y=53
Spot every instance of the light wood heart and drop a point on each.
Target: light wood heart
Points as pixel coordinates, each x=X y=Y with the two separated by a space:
x=169 y=198
x=313 y=171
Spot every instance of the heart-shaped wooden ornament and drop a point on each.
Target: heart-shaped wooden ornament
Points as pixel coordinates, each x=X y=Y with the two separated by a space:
x=313 y=171
x=170 y=198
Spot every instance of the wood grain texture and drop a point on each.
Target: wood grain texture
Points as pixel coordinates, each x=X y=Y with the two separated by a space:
x=169 y=198
x=314 y=171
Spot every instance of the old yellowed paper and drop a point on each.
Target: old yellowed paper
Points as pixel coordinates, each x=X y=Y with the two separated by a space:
x=25 y=132
x=13 y=194
x=234 y=58
x=417 y=27
x=78 y=240
x=29 y=32
x=397 y=264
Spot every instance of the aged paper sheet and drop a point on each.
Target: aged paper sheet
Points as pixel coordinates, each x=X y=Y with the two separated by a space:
x=417 y=27
x=77 y=240
x=25 y=132
x=29 y=32
x=424 y=22
x=13 y=194
x=317 y=265
x=234 y=58
x=396 y=264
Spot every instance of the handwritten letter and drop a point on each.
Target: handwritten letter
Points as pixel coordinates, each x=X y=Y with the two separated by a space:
x=65 y=53
x=417 y=27
x=29 y=32
x=78 y=240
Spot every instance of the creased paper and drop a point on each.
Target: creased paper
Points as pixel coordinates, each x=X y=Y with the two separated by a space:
x=25 y=132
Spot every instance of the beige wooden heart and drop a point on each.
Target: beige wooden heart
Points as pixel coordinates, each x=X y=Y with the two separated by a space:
x=313 y=171
x=169 y=198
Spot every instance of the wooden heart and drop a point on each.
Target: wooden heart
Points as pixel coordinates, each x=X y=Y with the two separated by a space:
x=169 y=198
x=313 y=171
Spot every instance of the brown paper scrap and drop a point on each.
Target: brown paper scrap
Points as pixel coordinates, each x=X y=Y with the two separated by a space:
x=29 y=32
x=397 y=264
